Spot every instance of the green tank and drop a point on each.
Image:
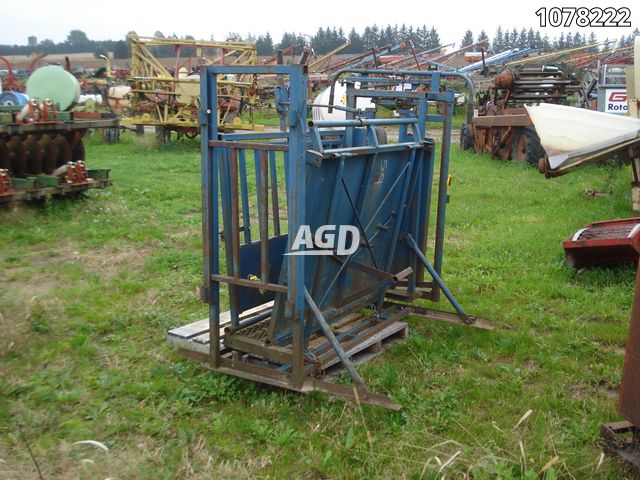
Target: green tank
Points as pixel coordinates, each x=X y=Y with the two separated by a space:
x=56 y=84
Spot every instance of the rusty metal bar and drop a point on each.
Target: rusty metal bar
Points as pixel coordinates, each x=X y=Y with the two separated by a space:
x=275 y=205
x=235 y=213
x=243 y=282
x=244 y=192
x=326 y=330
x=263 y=214
x=629 y=398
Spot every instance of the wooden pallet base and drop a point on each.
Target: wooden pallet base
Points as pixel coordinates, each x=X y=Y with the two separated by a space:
x=246 y=354
x=360 y=338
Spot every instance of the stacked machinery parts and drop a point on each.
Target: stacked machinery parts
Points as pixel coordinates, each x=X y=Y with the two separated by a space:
x=41 y=148
x=502 y=126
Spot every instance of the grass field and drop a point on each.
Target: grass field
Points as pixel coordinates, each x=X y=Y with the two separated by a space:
x=88 y=289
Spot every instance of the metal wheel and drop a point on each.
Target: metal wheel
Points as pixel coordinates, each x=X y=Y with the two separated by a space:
x=34 y=155
x=18 y=157
x=466 y=138
x=526 y=147
x=49 y=155
x=5 y=160
x=63 y=150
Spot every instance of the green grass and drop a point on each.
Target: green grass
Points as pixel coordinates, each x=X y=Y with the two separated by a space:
x=88 y=289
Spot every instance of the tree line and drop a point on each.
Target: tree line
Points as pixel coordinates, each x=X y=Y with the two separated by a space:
x=327 y=39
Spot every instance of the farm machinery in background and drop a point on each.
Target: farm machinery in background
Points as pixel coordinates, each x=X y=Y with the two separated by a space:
x=502 y=126
x=574 y=137
x=103 y=90
x=41 y=147
x=605 y=91
x=168 y=97
x=15 y=80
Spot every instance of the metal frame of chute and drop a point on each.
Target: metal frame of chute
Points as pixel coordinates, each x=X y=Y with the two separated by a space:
x=299 y=311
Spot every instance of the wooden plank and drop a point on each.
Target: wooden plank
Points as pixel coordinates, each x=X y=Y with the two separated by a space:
x=256 y=347
x=452 y=318
x=201 y=327
x=383 y=336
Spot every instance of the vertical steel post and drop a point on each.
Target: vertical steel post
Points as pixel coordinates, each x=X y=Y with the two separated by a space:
x=296 y=205
x=442 y=189
x=244 y=192
x=629 y=396
x=210 y=229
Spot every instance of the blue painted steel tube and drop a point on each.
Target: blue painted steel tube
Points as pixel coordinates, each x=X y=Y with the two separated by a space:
x=436 y=278
x=410 y=73
x=326 y=330
x=363 y=122
x=209 y=131
x=442 y=185
x=296 y=164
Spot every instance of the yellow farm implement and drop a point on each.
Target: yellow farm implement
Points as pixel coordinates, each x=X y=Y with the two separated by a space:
x=165 y=83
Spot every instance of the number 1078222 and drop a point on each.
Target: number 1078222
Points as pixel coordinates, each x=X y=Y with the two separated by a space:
x=584 y=17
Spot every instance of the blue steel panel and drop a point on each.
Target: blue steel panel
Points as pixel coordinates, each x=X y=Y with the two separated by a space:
x=250 y=267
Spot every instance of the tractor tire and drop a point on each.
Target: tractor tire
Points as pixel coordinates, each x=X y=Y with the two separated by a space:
x=466 y=138
x=526 y=147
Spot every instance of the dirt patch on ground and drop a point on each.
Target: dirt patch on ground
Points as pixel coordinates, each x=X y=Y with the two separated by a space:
x=28 y=287
x=107 y=262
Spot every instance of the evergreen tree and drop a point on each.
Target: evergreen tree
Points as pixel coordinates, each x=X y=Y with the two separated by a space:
x=264 y=44
x=434 y=39
x=545 y=44
x=513 y=40
x=121 y=50
x=522 y=39
x=578 y=41
x=467 y=39
x=531 y=39
x=561 y=43
x=498 y=40
x=569 y=40
x=356 y=45
x=483 y=36
x=538 y=42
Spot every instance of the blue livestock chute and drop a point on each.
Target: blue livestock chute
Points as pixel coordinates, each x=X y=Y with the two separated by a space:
x=324 y=234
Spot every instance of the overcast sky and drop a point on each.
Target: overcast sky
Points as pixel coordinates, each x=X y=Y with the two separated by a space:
x=114 y=18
